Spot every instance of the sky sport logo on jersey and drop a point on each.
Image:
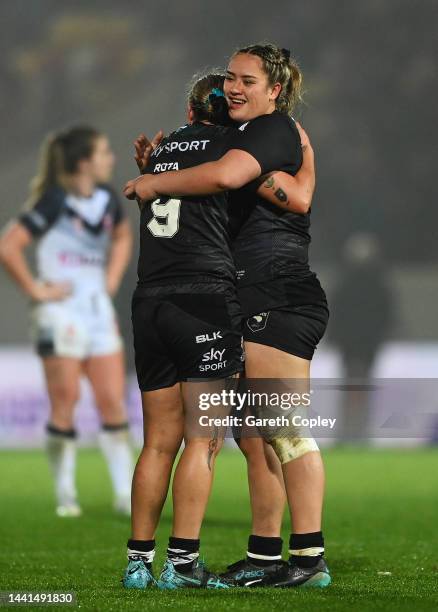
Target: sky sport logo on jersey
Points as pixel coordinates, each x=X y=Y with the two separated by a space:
x=213 y=360
x=187 y=145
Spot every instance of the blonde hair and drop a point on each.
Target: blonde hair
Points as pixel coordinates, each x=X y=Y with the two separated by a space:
x=279 y=68
x=59 y=156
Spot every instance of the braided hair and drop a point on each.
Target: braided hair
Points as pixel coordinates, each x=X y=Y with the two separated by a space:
x=281 y=68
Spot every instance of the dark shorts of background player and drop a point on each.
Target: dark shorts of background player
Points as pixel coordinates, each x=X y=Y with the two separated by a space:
x=296 y=330
x=186 y=332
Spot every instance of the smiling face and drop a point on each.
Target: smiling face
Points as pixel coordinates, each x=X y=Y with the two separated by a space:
x=247 y=89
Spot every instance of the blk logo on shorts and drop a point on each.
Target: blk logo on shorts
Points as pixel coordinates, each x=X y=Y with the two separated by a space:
x=208 y=337
x=258 y=322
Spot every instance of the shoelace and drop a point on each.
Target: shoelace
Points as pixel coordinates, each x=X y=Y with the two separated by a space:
x=209 y=577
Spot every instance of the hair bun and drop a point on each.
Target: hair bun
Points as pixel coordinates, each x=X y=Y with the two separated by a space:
x=217 y=102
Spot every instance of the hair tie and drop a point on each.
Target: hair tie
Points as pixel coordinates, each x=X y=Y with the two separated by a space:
x=286 y=53
x=216 y=95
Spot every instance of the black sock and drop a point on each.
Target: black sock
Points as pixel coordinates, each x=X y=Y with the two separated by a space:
x=183 y=553
x=144 y=549
x=299 y=542
x=264 y=551
x=63 y=433
x=119 y=427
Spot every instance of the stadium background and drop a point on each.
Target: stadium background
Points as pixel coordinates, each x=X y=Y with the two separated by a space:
x=369 y=109
x=370 y=76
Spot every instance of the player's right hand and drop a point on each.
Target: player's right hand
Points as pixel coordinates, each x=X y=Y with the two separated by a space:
x=145 y=147
x=51 y=292
x=129 y=190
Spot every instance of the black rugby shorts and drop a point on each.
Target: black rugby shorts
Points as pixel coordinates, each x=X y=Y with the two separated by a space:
x=296 y=330
x=181 y=334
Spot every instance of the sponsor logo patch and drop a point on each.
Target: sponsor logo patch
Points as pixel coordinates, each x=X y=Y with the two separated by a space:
x=213 y=360
x=170 y=147
x=208 y=337
x=213 y=354
x=258 y=322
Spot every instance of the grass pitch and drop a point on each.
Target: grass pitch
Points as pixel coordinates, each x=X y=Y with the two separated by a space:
x=380 y=530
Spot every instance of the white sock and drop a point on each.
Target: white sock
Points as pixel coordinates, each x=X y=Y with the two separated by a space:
x=116 y=449
x=148 y=557
x=61 y=450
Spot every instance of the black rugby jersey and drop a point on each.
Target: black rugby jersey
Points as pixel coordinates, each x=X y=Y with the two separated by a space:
x=272 y=244
x=186 y=239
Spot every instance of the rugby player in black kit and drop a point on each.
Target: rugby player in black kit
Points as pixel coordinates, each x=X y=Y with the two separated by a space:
x=187 y=325
x=283 y=302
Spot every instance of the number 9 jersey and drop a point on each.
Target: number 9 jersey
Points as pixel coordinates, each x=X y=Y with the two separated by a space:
x=187 y=321
x=188 y=238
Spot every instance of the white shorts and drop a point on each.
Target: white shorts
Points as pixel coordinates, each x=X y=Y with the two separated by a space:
x=79 y=327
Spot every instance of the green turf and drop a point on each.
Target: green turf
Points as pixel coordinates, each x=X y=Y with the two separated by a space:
x=381 y=516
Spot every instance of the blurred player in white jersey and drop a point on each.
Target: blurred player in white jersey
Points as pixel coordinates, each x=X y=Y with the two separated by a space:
x=83 y=247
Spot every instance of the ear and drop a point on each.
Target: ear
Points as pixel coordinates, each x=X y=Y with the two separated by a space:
x=275 y=91
x=190 y=114
x=83 y=166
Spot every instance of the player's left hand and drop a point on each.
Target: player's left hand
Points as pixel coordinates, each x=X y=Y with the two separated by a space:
x=112 y=286
x=129 y=190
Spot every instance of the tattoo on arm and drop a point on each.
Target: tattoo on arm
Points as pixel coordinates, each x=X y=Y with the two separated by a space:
x=212 y=446
x=280 y=195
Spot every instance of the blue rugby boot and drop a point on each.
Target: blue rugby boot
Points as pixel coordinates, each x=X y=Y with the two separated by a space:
x=138 y=574
x=318 y=576
x=198 y=577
